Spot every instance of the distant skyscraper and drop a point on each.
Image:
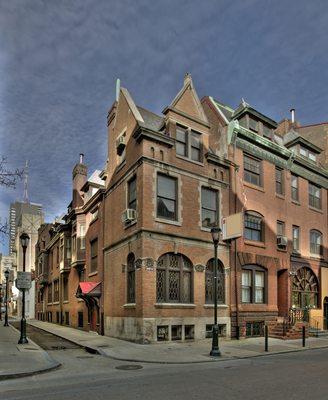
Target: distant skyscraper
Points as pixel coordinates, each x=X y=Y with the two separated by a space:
x=16 y=211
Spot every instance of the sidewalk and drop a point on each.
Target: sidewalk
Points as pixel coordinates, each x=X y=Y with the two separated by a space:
x=21 y=360
x=175 y=352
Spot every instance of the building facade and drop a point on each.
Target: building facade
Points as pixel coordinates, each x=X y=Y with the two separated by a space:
x=133 y=256
x=281 y=189
x=69 y=259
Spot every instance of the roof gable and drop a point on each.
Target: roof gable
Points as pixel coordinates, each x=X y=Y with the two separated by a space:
x=187 y=101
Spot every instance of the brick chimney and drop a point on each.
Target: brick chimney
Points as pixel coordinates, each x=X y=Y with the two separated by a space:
x=80 y=172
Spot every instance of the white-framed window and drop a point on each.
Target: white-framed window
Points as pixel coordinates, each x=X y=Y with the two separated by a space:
x=167 y=202
x=188 y=143
x=210 y=207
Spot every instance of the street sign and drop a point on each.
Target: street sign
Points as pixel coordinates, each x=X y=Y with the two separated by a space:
x=23 y=280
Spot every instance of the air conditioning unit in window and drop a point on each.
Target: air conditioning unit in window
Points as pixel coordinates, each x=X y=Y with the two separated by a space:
x=120 y=144
x=129 y=215
x=282 y=241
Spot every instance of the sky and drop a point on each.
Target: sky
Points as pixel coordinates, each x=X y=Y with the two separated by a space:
x=59 y=61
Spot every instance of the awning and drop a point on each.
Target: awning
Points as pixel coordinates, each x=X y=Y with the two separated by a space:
x=89 y=289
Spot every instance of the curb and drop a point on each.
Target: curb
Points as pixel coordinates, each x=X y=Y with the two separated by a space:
x=96 y=350
x=53 y=365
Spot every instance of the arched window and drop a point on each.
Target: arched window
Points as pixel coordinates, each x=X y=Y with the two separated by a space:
x=209 y=286
x=174 y=279
x=305 y=288
x=254 y=226
x=316 y=242
x=131 y=279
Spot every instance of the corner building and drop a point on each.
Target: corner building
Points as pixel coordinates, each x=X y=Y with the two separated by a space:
x=166 y=186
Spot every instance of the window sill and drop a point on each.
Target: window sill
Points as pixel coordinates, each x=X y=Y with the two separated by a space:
x=280 y=196
x=175 y=305
x=316 y=257
x=252 y=186
x=129 y=305
x=55 y=303
x=212 y=306
x=297 y=203
x=167 y=221
x=318 y=210
x=65 y=302
x=282 y=250
x=254 y=243
x=93 y=273
x=190 y=160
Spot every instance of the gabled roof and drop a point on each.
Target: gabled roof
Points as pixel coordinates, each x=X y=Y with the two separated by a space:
x=92 y=289
x=225 y=111
x=151 y=120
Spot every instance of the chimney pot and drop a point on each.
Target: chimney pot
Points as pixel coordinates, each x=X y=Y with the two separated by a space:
x=292 y=111
x=81 y=158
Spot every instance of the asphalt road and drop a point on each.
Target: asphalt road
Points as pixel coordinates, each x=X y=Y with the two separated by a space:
x=83 y=376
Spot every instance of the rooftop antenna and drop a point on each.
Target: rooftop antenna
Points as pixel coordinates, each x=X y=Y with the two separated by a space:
x=25 y=196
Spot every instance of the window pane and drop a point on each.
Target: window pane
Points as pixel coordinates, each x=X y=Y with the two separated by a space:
x=259 y=279
x=195 y=154
x=181 y=149
x=253 y=124
x=166 y=187
x=246 y=278
x=209 y=198
x=166 y=208
x=208 y=218
x=246 y=295
x=181 y=135
x=132 y=194
x=195 y=140
x=259 y=295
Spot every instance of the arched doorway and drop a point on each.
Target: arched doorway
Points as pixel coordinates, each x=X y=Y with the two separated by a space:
x=305 y=289
x=325 y=313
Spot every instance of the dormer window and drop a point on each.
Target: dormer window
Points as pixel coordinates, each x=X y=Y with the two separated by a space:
x=253 y=125
x=308 y=154
x=188 y=143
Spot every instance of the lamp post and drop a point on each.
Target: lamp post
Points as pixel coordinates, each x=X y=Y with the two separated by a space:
x=24 y=239
x=215 y=352
x=6 y=312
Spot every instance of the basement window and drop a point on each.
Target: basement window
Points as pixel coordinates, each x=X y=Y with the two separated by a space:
x=162 y=333
x=176 y=332
x=189 y=332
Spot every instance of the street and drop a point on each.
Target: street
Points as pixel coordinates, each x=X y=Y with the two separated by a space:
x=84 y=376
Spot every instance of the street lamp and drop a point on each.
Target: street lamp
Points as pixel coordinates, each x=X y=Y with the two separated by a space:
x=215 y=352
x=24 y=239
x=6 y=312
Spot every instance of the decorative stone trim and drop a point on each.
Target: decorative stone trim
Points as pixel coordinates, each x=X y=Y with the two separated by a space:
x=199 y=268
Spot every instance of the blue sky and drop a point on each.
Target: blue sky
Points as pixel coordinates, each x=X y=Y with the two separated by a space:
x=59 y=61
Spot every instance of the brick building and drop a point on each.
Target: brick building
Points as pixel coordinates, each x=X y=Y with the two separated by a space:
x=165 y=187
x=133 y=256
x=69 y=259
x=282 y=191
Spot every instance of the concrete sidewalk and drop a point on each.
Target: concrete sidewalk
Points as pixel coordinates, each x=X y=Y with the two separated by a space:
x=17 y=360
x=176 y=352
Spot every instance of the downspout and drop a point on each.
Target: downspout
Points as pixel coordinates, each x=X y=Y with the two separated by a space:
x=102 y=328
x=235 y=250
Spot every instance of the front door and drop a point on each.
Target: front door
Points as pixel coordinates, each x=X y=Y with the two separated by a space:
x=325 y=313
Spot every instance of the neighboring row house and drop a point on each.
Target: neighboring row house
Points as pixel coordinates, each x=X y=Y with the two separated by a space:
x=133 y=256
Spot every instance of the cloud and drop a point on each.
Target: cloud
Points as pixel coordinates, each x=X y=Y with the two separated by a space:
x=59 y=61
